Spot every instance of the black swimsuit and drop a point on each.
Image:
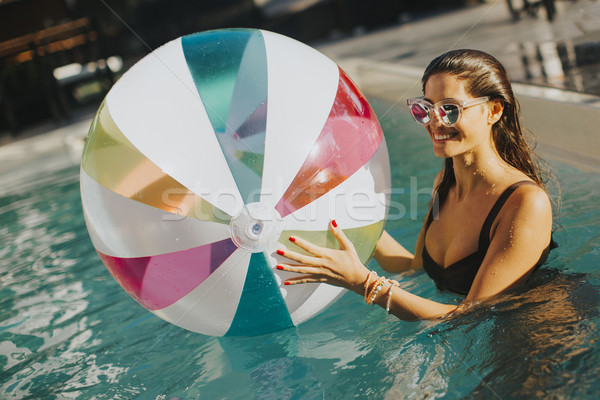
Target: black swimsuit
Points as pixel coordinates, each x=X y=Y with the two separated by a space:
x=459 y=276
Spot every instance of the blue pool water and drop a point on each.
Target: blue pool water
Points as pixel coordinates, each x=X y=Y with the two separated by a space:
x=67 y=330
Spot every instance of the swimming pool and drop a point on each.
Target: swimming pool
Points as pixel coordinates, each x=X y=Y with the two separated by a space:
x=67 y=330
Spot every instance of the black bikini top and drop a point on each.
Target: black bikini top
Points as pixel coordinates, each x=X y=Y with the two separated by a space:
x=459 y=276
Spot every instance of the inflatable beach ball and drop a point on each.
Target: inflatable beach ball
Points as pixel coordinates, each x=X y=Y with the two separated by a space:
x=207 y=155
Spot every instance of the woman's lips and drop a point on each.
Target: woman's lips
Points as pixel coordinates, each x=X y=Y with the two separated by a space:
x=439 y=136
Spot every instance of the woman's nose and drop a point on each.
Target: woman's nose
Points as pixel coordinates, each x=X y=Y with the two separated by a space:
x=436 y=119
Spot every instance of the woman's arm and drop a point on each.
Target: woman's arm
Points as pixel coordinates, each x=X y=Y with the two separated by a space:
x=343 y=268
x=391 y=255
x=519 y=238
x=520 y=235
x=410 y=307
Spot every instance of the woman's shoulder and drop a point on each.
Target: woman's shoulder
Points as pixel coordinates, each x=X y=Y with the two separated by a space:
x=527 y=202
x=528 y=190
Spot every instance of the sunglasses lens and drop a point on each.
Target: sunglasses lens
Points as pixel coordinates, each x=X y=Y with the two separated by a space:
x=449 y=113
x=420 y=113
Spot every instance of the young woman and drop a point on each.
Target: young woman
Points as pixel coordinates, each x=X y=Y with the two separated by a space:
x=490 y=223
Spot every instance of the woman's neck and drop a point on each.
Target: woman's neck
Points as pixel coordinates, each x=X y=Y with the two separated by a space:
x=479 y=169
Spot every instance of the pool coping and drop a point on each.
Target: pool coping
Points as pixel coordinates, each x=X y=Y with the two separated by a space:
x=49 y=151
x=546 y=112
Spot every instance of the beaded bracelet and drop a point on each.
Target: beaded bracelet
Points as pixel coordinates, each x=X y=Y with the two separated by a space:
x=377 y=286
x=376 y=292
x=389 y=293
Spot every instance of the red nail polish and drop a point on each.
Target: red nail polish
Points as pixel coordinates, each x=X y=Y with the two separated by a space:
x=286 y=283
x=334 y=223
x=280 y=252
x=279 y=267
x=292 y=239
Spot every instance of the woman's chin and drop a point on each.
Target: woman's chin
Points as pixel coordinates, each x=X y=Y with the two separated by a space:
x=442 y=152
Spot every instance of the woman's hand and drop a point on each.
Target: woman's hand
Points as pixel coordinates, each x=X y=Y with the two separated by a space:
x=340 y=267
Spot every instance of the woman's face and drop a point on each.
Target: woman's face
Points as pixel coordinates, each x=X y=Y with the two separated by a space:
x=472 y=130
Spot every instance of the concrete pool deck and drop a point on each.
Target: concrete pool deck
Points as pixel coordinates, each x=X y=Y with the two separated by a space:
x=388 y=64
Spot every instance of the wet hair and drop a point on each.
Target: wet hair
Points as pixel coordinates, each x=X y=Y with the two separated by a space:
x=483 y=75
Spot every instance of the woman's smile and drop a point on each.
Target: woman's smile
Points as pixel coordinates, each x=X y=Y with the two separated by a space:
x=443 y=136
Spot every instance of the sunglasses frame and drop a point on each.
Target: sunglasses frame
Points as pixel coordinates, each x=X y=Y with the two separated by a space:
x=461 y=104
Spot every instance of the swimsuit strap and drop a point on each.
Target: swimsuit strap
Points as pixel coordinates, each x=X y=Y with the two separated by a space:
x=484 y=236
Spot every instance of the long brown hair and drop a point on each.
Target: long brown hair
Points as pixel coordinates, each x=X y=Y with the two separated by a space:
x=483 y=75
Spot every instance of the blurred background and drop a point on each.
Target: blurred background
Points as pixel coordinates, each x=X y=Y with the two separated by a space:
x=58 y=58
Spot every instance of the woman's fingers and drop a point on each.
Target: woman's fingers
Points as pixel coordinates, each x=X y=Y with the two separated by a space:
x=319 y=251
x=305 y=279
x=308 y=246
x=345 y=243
x=301 y=258
x=337 y=267
x=303 y=269
x=309 y=274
